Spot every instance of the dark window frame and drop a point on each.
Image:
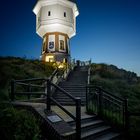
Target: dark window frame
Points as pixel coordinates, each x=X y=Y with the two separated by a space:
x=62 y=45
x=65 y=15
x=49 y=13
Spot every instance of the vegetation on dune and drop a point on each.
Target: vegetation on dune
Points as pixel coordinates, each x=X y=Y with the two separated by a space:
x=20 y=68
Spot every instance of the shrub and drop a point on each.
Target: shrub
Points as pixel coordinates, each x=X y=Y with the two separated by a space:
x=18 y=125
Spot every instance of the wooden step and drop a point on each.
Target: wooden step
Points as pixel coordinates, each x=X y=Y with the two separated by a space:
x=95 y=128
x=97 y=131
x=109 y=136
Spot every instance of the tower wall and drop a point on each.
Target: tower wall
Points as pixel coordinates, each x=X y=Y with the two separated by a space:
x=56 y=45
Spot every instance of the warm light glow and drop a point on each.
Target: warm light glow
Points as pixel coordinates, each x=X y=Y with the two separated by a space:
x=49 y=59
x=61 y=66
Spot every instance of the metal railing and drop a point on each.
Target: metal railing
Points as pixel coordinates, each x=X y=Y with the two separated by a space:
x=111 y=108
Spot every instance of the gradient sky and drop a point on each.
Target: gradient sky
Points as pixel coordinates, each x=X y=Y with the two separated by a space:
x=108 y=31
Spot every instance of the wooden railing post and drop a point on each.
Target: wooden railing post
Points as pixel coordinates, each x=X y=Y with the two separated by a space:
x=12 y=90
x=87 y=97
x=78 y=119
x=126 y=118
x=48 y=100
x=88 y=75
x=99 y=102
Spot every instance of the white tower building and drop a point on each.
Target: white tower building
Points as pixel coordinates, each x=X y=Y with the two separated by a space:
x=56 y=24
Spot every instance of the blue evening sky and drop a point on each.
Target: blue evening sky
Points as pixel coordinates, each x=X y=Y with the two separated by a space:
x=108 y=31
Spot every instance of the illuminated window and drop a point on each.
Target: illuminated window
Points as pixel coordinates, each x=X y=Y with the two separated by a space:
x=49 y=58
x=62 y=45
x=64 y=14
x=49 y=13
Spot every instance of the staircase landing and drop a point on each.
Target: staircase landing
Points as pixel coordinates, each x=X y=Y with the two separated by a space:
x=62 y=114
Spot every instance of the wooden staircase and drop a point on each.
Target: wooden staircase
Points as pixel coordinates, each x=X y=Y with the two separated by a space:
x=75 y=85
x=91 y=127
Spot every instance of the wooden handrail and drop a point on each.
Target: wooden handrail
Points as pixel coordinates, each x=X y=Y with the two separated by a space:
x=64 y=92
x=32 y=79
x=53 y=74
x=31 y=93
x=105 y=92
x=77 y=101
x=29 y=86
x=66 y=111
x=26 y=84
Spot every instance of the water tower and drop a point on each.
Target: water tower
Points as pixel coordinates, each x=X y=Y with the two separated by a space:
x=56 y=25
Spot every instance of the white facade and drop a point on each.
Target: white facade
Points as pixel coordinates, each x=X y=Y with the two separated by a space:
x=56 y=16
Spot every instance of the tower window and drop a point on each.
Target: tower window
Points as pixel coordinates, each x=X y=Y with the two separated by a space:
x=64 y=14
x=62 y=45
x=49 y=58
x=51 y=45
x=49 y=13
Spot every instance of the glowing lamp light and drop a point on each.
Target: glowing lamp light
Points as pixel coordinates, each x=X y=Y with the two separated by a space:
x=61 y=66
